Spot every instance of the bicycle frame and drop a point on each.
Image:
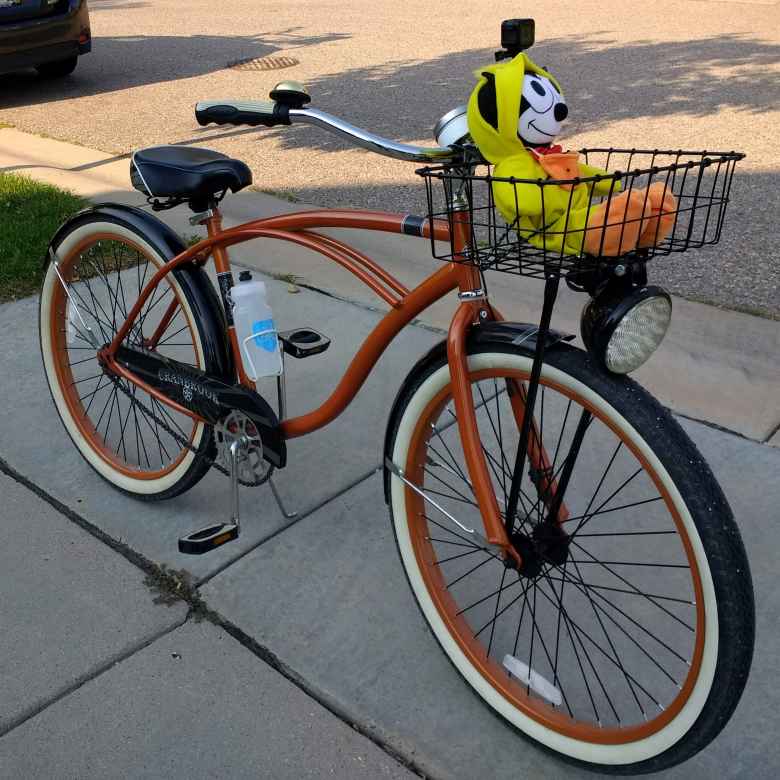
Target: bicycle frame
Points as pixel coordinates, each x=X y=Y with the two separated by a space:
x=405 y=306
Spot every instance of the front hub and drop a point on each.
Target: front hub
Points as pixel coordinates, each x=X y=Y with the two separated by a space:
x=548 y=543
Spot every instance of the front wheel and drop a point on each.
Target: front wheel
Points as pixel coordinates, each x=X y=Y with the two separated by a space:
x=623 y=642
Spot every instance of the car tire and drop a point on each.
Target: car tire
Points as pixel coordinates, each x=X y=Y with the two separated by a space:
x=58 y=69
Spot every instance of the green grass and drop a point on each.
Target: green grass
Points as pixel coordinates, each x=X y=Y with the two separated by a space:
x=30 y=213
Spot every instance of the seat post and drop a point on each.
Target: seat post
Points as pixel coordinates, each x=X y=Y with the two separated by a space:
x=213 y=221
x=212 y=218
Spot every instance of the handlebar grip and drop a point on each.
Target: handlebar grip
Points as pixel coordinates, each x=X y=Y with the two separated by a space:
x=231 y=112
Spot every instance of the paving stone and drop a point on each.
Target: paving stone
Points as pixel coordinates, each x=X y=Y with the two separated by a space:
x=68 y=604
x=193 y=704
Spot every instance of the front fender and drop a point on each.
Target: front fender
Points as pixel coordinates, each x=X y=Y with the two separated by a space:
x=522 y=336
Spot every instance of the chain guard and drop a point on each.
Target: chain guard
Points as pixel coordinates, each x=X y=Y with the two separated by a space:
x=212 y=462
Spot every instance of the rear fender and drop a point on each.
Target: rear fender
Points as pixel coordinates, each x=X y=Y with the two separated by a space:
x=168 y=244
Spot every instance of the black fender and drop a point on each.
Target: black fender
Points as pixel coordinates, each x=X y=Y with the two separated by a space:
x=522 y=336
x=201 y=294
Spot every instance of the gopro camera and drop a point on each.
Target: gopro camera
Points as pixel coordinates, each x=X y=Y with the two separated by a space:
x=516 y=35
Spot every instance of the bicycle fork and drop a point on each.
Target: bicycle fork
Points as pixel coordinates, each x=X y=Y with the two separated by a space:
x=473 y=310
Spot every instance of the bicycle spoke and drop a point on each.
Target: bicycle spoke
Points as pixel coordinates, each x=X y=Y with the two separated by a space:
x=456 y=557
x=585 y=587
x=529 y=583
x=610 y=643
x=605 y=502
x=495 y=613
x=173 y=335
x=629 y=533
x=470 y=571
x=86 y=379
x=453 y=461
x=577 y=636
x=633 y=587
x=635 y=563
x=589 y=515
x=92 y=395
x=456 y=494
x=445 y=541
x=636 y=593
x=83 y=360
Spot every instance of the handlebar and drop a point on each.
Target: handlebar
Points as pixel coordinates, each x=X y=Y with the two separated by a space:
x=271 y=114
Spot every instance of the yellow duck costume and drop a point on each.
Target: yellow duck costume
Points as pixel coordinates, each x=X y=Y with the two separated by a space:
x=517 y=96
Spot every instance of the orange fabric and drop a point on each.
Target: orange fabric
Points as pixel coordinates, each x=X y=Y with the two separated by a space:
x=663 y=207
x=618 y=226
x=640 y=218
x=562 y=165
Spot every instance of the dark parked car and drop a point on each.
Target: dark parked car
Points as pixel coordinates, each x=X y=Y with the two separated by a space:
x=48 y=35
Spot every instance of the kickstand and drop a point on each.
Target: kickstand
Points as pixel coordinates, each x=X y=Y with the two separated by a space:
x=279 y=502
x=236 y=451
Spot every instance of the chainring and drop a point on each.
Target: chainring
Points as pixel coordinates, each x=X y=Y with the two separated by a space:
x=253 y=469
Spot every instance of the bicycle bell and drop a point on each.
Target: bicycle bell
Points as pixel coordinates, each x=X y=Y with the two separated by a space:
x=452 y=128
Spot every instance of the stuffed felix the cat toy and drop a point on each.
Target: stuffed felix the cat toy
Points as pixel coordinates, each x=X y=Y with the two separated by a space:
x=514 y=114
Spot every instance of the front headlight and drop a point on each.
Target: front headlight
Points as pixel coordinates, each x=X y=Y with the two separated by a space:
x=623 y=330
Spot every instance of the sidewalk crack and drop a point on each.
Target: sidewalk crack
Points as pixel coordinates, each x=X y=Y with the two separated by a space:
x=772 y=433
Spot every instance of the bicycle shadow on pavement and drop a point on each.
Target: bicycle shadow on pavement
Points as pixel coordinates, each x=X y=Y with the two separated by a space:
x=124 y=62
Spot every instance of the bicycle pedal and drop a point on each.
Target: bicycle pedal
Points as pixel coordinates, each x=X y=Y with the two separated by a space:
x=303 y=342
x=207 y=539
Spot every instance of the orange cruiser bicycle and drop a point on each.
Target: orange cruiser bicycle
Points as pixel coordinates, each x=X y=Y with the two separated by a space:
x=565 y=541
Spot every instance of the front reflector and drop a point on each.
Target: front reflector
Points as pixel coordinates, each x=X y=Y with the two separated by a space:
x=533 y=679
x=638 y=334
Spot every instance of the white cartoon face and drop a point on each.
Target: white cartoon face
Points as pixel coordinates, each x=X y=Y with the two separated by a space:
x=542 y=110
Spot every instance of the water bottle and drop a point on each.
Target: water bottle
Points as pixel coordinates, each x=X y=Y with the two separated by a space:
x=255 y=328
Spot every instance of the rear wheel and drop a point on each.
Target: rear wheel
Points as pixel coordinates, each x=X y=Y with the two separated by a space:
x=129 y=437
x=628 y=644
x=58 y=69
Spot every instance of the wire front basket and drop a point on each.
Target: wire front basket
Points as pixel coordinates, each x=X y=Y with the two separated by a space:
x=649 y=203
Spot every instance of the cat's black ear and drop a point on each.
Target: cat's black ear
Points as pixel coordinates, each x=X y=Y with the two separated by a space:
x=524 y=105
x=486 y=100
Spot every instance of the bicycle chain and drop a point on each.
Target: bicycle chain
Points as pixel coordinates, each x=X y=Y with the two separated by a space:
x=211 y=462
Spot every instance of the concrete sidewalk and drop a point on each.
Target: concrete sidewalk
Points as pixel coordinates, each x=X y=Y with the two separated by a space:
x=121 y=687
x=98 y=681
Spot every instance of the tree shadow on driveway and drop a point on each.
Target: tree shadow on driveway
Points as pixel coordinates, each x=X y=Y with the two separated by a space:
x=605 y=81
x=130 y=61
